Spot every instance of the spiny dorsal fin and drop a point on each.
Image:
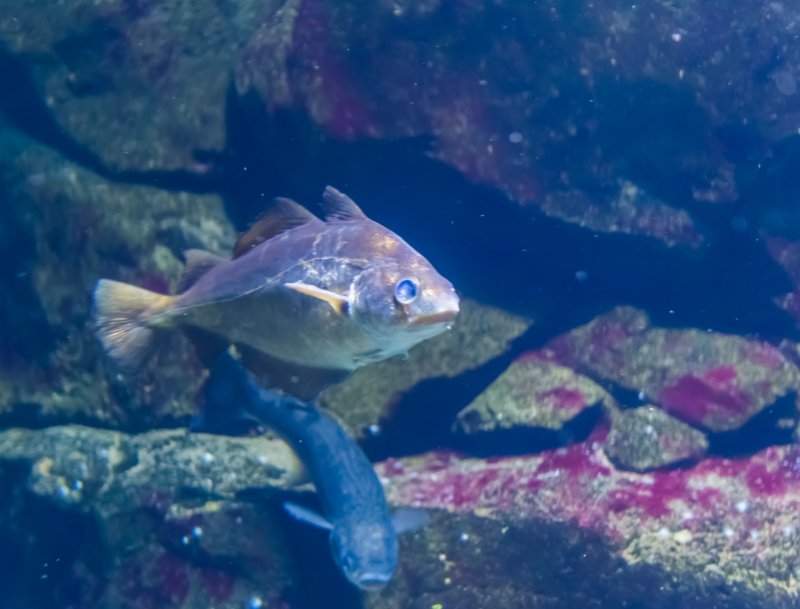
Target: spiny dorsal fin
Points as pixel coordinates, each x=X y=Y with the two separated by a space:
x=283 y=215
x=198 y=263
x=339 y=207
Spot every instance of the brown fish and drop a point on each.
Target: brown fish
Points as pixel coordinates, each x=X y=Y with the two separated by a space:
x=303 y=294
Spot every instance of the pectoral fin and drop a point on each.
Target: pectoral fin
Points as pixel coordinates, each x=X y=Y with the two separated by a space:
x=338 y=302
x=298 y=512
x=407 y=520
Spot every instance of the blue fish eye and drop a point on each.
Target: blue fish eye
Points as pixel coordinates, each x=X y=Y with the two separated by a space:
x=405 y=291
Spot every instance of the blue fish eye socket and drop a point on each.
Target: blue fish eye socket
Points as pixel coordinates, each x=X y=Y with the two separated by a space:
x=406 y=290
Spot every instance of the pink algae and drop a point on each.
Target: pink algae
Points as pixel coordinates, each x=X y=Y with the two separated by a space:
x=578 y=483
x=765 y=355
x=713 y=394
x=217 y=584
x=171 y=578
x=346 y=114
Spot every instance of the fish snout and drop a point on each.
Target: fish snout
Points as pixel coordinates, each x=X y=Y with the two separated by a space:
x=373 y=581
x=445 y=312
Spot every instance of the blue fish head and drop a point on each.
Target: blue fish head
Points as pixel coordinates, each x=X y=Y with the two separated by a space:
x=366 y=554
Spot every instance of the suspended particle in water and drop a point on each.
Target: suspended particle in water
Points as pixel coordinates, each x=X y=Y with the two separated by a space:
x=255 y=602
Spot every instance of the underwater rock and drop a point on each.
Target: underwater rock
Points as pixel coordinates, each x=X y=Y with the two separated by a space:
x=478 y=334
x=713 y=381
x=68 y=227
x=140 y=85
x=532 y=98
x=108 y=472
x=156 y=524
x=154 y=516
x=631 y=210
x=566 y=529
x=646 y=438
x=531 y=394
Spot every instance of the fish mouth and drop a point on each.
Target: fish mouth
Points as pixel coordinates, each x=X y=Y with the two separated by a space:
x=440 y=317
x=373 y=581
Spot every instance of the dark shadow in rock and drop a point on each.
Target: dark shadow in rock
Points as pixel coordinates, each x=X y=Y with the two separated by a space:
x=772 y=426
x=22 y=104
x=32 y=415
x=421 y=419
x=24 y=330
x=42 y=543
x=525 y=441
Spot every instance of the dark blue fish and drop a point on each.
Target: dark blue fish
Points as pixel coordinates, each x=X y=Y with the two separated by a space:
x=363 y=532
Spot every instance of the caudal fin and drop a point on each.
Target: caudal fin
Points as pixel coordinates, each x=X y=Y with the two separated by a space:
x=122 y=313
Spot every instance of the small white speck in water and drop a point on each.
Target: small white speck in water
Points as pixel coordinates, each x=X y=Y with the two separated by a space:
x=515 y=137
x=464 y=537
x=255 y=602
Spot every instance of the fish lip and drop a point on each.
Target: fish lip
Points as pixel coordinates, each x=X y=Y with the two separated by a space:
x=373 y=581
x=440 y=317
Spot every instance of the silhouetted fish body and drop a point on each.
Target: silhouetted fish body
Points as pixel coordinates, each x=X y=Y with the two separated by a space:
x=363 y=532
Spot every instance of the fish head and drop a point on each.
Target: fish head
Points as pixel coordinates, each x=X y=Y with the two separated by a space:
x=366 y=553
x=402 y=303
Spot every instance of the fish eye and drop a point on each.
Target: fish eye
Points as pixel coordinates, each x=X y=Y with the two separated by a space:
x=405 y=291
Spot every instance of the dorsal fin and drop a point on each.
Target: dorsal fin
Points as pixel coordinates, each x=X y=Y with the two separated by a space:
x=198 y=263
x=339 y=207
x=283 y=214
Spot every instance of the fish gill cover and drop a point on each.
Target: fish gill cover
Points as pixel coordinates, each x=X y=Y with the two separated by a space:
x=610 y=187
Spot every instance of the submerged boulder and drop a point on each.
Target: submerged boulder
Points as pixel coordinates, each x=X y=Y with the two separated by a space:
x=646 y=438
x=710 y=380
x=67 y=227
x=531 y=394
x=168 y=518
x=152 y=520
x=565 y=528
x=131 y=86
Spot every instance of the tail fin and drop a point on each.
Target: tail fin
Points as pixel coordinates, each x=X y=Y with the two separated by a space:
x=121 y=314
